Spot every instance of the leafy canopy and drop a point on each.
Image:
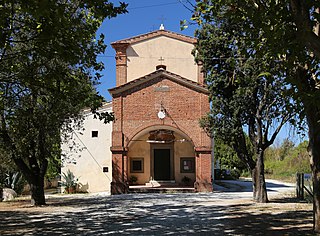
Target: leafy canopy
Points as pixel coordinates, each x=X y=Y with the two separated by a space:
x=48 y=74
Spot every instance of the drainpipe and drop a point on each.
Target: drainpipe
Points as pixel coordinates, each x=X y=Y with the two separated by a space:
x=212 y=160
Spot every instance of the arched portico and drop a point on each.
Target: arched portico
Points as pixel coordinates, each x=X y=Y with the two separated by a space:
x=159 y=101
x=162 y=154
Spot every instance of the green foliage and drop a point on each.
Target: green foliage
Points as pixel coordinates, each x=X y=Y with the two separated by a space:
x=69 y=179
x=247 y=91
x=284 y=166
x=15 y=181
x=226 y=174
x=248 y=73
x=54 y=167
x=133 y=179
x=54 y=163
x=282 y=31
x=227 y=156
x=186 y=180
x=48 y=74
x=6 y=166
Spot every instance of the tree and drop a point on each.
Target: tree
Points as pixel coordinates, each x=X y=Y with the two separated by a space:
x=227 y=156
x=288 y=31
x=285 y=148
x=243 y=94
x=48 y=73
x=285 y=160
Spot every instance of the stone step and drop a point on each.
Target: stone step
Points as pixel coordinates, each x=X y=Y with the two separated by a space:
x=158 y=183
x=161 y=190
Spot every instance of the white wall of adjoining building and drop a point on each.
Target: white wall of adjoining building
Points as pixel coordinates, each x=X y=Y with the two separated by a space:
x=89 y=155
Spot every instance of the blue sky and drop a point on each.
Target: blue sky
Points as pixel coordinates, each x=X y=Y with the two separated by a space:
x=143 y=16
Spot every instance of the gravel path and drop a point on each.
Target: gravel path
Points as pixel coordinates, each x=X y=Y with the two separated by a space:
x=228 y=211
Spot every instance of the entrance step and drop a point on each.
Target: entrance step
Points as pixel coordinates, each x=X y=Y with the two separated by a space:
x=155 y=183
x=154 y=186
x=145 y=189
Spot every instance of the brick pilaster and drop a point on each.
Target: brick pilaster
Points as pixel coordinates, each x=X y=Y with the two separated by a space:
x=200 y=73
x=203 y=172
x=119 y=176
x=121 y=63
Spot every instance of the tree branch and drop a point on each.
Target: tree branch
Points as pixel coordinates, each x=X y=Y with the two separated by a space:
x=304 y=24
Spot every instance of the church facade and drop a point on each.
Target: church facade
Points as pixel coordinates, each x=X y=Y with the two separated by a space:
x=157 y=103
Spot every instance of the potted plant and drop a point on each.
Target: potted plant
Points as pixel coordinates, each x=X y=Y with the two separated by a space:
x=133 y=179
x=69 y=181
x=186 y=181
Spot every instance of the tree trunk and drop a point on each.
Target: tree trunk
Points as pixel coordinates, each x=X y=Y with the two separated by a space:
x=37 y=192
x=308 y=90
x=258 y=180
x=316 y=199
x=314 y=152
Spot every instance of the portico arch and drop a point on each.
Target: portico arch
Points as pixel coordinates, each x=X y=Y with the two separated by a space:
x=163 y=161
x=145 y=130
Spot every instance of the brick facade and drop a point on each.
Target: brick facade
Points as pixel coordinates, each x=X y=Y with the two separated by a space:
x=136 y=105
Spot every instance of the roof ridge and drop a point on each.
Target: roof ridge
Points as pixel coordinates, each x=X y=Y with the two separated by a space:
x=155 y=32
x=162 y=71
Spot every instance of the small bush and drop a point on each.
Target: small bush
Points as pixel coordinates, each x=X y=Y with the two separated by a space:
x=69 y=181
x=286 y=165
x=186 y=180
x=15 y=181
x=133 y=179
x=226 y=174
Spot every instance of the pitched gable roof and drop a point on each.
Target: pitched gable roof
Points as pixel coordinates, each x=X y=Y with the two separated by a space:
x=154 y=34
x=160 y=72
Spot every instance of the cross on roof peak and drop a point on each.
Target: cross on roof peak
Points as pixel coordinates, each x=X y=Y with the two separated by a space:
x=161 y=59
x=162 y=18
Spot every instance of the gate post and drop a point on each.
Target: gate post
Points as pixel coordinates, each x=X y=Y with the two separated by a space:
x=302 y=186
x=298 y=191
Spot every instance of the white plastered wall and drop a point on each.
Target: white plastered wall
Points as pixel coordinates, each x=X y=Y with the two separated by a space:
x=90 y=154
x=143 y=57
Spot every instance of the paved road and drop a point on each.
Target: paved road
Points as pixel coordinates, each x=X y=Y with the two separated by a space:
x=243 y=187
x=224 y=212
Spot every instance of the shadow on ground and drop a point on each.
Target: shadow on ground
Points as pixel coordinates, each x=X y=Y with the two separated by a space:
x=154 y=214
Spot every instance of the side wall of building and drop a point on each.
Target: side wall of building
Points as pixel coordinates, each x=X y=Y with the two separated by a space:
x=89 y=158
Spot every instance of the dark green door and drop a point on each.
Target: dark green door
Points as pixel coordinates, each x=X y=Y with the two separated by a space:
x=162 y=164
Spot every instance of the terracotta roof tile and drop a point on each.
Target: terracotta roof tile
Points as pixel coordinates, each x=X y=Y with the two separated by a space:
x=156 y=33
x=156 y=74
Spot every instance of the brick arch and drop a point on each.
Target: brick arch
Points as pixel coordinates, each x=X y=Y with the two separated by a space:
x=141 y=131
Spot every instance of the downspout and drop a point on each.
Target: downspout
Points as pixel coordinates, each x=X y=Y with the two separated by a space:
x=212 y=161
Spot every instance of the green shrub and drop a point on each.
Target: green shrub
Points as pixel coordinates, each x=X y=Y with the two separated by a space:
x=15 y=181
x=133 y=179
x=296 y=159
x=69 y=181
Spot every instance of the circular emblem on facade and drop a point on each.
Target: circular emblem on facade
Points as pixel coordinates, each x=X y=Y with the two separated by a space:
x=161 y=115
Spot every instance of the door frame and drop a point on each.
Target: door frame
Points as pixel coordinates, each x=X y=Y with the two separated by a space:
x=162 y=146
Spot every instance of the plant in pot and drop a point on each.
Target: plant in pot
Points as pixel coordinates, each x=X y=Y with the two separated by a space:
x=186 y=181
x=133 y=179
x=69 y=181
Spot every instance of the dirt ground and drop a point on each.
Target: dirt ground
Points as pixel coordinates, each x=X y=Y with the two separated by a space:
x=220 y=213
